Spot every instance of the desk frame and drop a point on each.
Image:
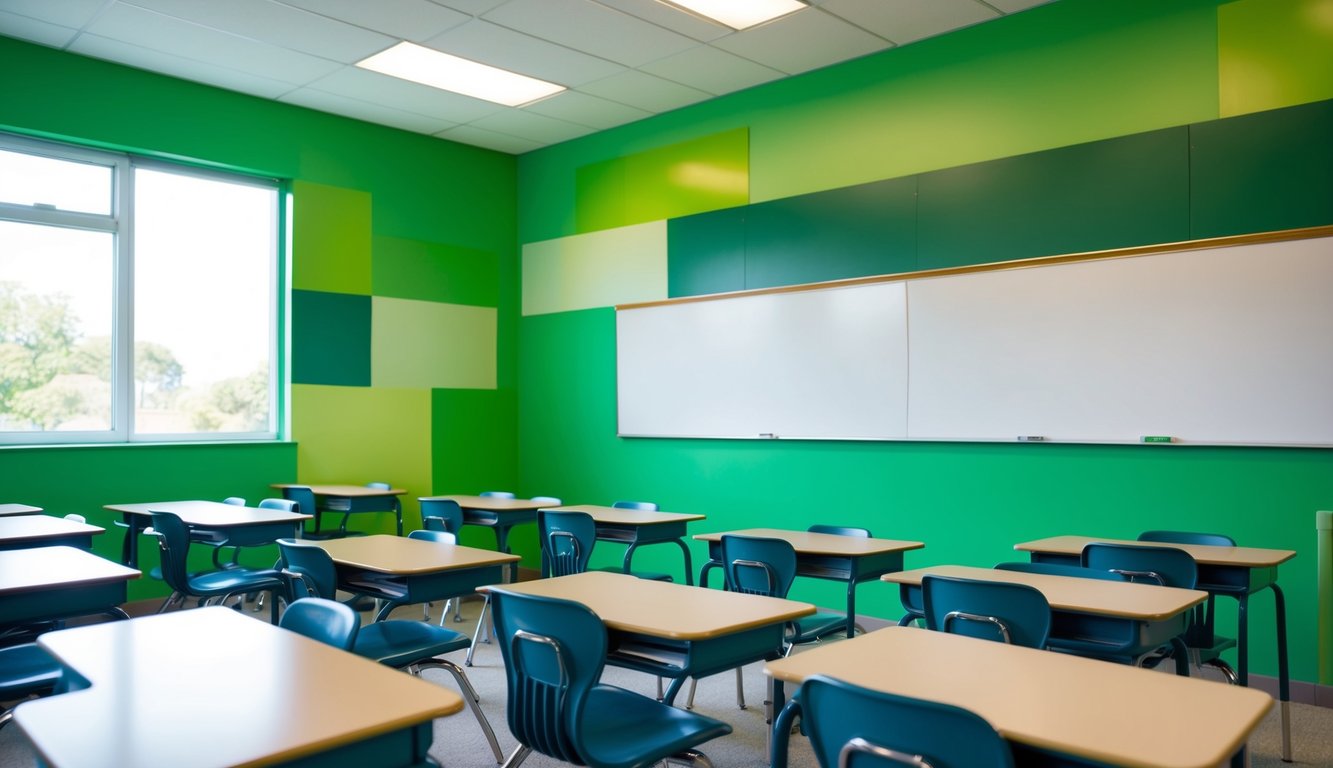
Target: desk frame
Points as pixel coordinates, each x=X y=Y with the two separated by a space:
x=31 y=531
x=245 y=531
x=636 y=528
x=75 y=583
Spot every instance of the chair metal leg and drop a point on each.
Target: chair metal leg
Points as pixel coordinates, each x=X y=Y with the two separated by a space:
x=174 y=597
x=517 y=757
x=690 y=757
x=481 y=621
x=689 y=698
x=740 y=689
x=1224 y=668
x=470 y=698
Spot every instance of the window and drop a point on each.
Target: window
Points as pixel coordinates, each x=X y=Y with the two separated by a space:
x=138 y=299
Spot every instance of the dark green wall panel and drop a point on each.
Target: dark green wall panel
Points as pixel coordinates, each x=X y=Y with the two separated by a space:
x=1260 y=172
x=1131 y=190
x=330 y=338
x=706 y=253
x=868 y=229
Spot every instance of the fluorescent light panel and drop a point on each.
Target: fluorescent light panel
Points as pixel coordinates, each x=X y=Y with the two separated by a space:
x=428 y=66
x=739 y=14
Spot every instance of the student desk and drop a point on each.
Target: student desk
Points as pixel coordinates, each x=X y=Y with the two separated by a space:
x=352 y=499
x=228 y=524
x=1053 y=708
x=25 y=531
x=18 y=509
x=495 y=512
x=637 y=528
x=58 y=582
x=403 y=571
x=1232 y=571
x=210 y=688
x=825 y=556
x=674 y=630
x=1145 y=615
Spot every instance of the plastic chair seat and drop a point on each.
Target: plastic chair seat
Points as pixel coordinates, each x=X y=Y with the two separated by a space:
x=822 y=624
x=618 y=723
x=25 y=670
x=399 y=642
x=234 y=580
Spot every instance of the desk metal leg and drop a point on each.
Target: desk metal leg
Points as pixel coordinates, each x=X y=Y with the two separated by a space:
x=703 y=572
x=851 y=607
x=1283 y=673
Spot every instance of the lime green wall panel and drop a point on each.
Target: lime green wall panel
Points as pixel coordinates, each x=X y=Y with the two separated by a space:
x=330 y=238
x=613 y=266
x=1274 y=53
x=675 y=180
x=426 y=344
x=473 y=434
x=415 y=269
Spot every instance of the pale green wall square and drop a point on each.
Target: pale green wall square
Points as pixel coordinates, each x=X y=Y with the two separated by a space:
x=598 y=269
x=430 y=344
x=330 y=238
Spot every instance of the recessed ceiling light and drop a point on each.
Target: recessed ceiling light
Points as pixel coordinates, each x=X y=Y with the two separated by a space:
x=739 y=14
x=451 y=73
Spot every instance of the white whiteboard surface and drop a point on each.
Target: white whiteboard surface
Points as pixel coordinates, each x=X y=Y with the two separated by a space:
x=1225 y=345
x=828 y=363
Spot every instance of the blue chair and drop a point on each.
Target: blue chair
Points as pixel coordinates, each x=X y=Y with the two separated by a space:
x=554 y=653
x=441 y=515
x=26 y=671
x=306 y=505
x=567 y=539
x=403 y=644
x=173 y=539
x=841 y=530
x=642 y=506
x=498 y=494
x=1205 y=646
x=327 y=621
x=994 y=610
x=851 y=727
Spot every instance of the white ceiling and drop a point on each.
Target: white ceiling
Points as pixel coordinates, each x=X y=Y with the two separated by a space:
x=622 y=60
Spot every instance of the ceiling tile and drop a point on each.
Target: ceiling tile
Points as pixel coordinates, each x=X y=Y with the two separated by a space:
x=415 y=20
x=581 y=108
x=27 y=28
x=904 y=21
x=279 y=25
x=360 y=110
x=803 y=41
x=673 y=19
x=591 y=27
x=177 y=66
x=534 y=127
x=66 y=13
x=374 y=88
x=517 y=52
x=645 y=91
x=474 y=7
x=166 y=34
x=479 y=137
x=711 y=70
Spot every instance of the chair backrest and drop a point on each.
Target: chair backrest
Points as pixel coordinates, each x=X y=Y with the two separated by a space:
x=75 y=517
x=642 y=506
x=303 y=496
x=379 y=486
x=286 y=505
x=853 y=727
x=441 y=515
x=758 y=566
x=440 y=537
x=1060 y=569
x=173 y=542
x=327 y=621
x=993 y=610
x=549 y=501
x=236 y=500
x=498 y=494
x=553 y=651
x=567 y=540
x=309 y=569
x=840 y=530
x=1165 y=566
x=1188 y=537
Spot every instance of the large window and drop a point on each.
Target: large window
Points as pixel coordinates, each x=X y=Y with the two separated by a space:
x=138 y=300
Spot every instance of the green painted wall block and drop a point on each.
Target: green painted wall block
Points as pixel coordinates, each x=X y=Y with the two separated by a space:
x=416 y=269
x=1274 y=53
x=330 y=338
x=473 y=433
x=330 y=239
x=706 y=252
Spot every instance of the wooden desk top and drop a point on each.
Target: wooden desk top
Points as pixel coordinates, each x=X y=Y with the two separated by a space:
x=350 y=491
x=36 y=527
x=404 y=557
x=27 y=570
x=663 y=608
x=1143 y=602
x=807 y=543
x=491 y=503
x=618 y=516
x=180 y=689
x=1103 y=712
x=18 y=509
x=1246 y=557
x=211 y=514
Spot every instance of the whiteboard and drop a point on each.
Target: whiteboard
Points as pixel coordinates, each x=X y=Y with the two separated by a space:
x=826 y=363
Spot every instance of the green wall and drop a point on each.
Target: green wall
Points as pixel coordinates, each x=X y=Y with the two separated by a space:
x=1036 y=100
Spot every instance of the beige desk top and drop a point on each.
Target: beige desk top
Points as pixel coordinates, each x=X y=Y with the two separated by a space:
x=404 y=556
x=210 y=514
x=618 y=516
x=663 y=608
x=1144 y=602
x=807 y=543
x=1247 y=557
x=1104 y=712
x=33 y=527
x=491 y=503
x=357 y=491
x=26 y=570
x=180 y=689
x=18 y=509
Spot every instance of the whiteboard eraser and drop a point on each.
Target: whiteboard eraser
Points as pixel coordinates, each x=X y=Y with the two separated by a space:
x=1031 y=438
x=1157 y=439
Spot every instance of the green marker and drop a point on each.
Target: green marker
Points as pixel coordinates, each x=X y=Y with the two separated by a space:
x=1157 y=439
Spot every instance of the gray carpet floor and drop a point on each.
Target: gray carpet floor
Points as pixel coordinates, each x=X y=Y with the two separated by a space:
x=460 y=744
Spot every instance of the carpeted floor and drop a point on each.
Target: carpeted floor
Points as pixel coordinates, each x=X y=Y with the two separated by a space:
x=459 y=743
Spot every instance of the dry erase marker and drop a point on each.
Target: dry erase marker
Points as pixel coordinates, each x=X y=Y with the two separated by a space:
x=1157 y=439
x=768 y=436
x=1031 y=438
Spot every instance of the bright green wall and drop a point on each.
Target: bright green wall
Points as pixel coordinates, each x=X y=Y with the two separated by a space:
x=1056 y=76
